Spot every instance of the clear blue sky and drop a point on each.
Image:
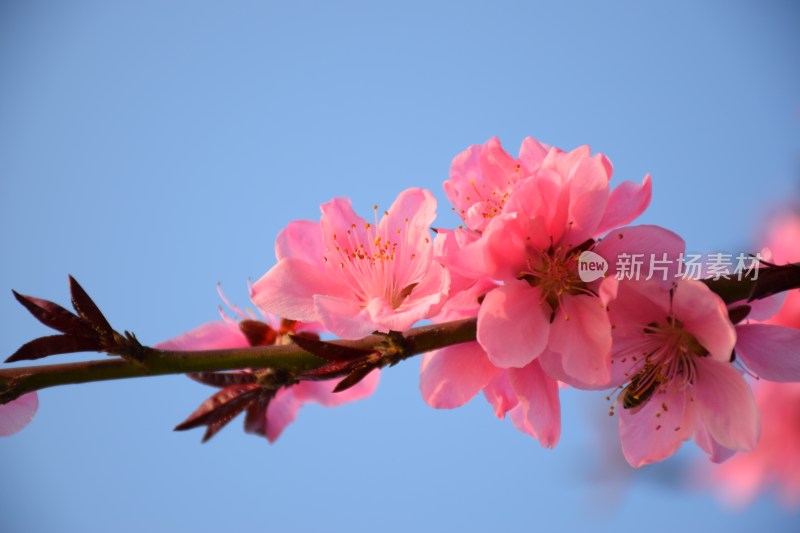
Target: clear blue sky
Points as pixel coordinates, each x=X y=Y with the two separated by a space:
x=155 y=148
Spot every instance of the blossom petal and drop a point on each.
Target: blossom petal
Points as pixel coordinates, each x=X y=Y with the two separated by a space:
x=452 y=376
x=626 y=202
x=281 y=412
x=552 y=364
x=704 y=315
x=426 y=299
x=18 y=413
x=338 y=217
x=344 y=317
x=500 y=394
x=725 y=404
x=210 y=336
x=588 y=189
x=513 y=324
x=289 y=287
x=538 y=402
x=532 y=153
x=412 y=214
x=505 y=244
x=716 y=452
x=656 y=430
x=771 y=352
x=648 y=243
x=581 y=333
x=300 y=239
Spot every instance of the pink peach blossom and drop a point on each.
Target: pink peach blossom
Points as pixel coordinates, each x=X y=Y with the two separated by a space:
x=521 y=215
x=18 y=413
x=483 y=176
x=283 y=408
x=672 y=354
x=356 y=277
x=532 y=243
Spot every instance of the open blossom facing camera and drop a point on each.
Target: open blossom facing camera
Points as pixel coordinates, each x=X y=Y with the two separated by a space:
x=529 y=221
x=672 y=358
x=483 y=176
x=357 y=277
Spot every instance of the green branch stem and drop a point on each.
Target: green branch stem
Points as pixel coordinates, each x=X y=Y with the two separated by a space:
x=147 y=361
x=15 y=382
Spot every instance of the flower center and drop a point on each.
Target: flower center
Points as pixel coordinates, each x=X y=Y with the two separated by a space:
x=555 y=272
x=670 y=359
x=492 y=202
x=377 y=262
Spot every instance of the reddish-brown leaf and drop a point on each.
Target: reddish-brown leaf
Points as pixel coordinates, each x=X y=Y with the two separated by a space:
x=54 y=316
x=774 y=280
x=329 y=371
x=255 y=420
x=329 y=350
x=52 y=345
x=354 y=378
x=87 y=309
x=231 y=399
x=223 y=418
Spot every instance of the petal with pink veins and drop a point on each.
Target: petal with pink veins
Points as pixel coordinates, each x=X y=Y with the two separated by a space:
x=452 y=376
x=513 y=324
x=300 y=239
x=338 y=217
x=412 y=213
x=288 y=289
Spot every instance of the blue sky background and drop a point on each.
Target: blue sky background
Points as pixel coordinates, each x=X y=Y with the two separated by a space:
x=155 y=148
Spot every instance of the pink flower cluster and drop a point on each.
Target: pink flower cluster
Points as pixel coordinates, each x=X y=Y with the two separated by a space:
x=667 y=346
